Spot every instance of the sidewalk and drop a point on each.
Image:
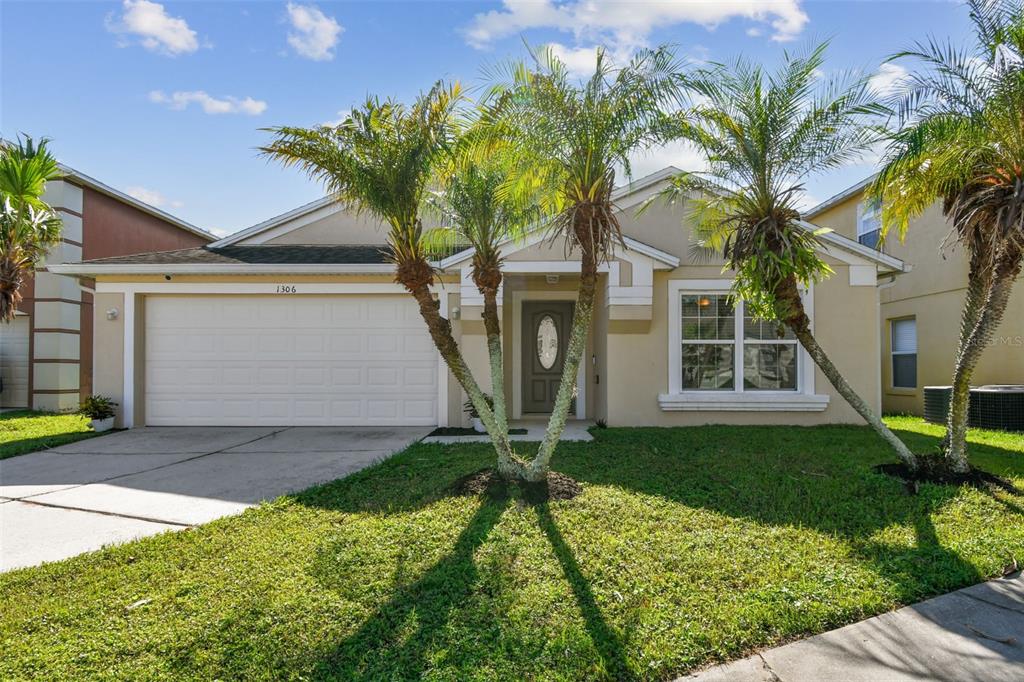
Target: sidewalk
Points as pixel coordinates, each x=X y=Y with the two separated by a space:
x=973 y=634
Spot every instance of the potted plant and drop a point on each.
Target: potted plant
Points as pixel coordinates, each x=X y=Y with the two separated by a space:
x=474 y=417
x=100 y=409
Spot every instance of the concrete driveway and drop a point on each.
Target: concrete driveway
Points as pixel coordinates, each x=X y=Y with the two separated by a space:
x=80 y=497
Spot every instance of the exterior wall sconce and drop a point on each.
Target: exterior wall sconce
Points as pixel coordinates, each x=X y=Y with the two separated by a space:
x=551 y=279
x=112 y=314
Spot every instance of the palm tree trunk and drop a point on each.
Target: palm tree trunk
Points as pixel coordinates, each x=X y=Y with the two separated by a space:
x=978 y=279
x=798 y=321
x=1007 y=268
x=11 y=276
x=509 y=465
x=441 y=333
x=583 y=314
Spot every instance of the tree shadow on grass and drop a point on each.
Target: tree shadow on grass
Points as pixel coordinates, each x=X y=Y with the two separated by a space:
x=402 y=632
x=608 y=644
x=819 y=478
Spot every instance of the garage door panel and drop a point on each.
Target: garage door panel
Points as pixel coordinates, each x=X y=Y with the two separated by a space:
x=316 y=360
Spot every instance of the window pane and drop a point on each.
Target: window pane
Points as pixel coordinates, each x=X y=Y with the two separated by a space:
x=708 y=367
x=904 y=336
x=769 y=367
x=689 y=306
x=765 y=330
x=870 y=239
x=904 y=370
x=691 y=328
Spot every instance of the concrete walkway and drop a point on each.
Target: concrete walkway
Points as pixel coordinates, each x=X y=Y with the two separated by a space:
x=577 y=430
x=79 y=497
x=973 y=634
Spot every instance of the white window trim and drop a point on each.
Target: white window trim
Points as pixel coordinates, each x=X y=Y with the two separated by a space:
x=893 y=352
x=862 y=212
x=804 y=399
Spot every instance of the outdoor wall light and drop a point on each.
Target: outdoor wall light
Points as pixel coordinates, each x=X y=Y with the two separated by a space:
x=112 y=314
x=551 y=279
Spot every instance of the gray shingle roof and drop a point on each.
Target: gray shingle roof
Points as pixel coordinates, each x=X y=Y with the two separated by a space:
x=262 y=254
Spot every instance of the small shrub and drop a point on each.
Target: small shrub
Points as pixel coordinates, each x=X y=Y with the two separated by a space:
x=98 y=407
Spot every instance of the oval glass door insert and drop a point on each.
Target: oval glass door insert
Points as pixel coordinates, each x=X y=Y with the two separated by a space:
x=547 y=342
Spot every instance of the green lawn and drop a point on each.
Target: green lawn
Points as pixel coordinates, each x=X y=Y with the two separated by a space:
x=27 y=431
x=687 y=546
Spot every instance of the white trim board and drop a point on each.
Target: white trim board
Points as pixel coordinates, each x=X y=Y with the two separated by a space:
x=257 y=288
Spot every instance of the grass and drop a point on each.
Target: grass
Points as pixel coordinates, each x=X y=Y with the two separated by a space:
x=687 y=547
x=28 y=431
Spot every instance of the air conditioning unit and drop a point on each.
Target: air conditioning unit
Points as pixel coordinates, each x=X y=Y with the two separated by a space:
x=999 y=406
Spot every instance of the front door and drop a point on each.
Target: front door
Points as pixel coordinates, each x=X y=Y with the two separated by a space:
x=545 y=338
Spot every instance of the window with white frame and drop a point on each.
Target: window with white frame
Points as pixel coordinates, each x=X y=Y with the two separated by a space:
x=709 y=342
x=722 y=348
x=904 y=353
x=869 y=223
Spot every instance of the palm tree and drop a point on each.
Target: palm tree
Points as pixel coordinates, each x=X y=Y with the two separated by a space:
x=380 y=161
x=961 y=139
x=569 y=139
x=763 y=135
x=473 y=214
x=28 y=226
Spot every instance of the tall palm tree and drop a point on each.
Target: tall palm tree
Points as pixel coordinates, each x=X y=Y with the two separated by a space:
x=28 y=226
x=474 y=214
x=763 y=134
x=380 y=161
x=570 y=138
x=961 y=139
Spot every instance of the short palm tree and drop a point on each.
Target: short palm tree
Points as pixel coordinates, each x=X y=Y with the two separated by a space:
x=961 y=140
x=569 y=140
x=474 y=214
x=28 y=226
x=763 y=135
x=381 y=161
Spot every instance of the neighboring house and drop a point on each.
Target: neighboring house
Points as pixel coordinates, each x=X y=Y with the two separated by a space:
x=298 y=321
x=921 y=309
x=46 y=351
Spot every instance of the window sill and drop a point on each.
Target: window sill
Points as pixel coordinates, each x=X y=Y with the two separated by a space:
x=909 y=392
x=742 y=402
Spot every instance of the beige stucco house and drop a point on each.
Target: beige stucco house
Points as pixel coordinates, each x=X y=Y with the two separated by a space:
x=920 y=309
x=297 y=321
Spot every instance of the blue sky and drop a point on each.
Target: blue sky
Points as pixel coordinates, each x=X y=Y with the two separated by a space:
x=165 y=100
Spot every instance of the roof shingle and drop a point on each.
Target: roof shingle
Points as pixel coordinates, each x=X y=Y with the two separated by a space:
x=290 y=254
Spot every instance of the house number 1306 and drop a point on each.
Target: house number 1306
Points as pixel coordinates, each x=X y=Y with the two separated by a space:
x=286 y=288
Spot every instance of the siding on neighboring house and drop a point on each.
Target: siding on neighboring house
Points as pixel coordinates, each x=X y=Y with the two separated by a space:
x=932 y=294
x=59 y=312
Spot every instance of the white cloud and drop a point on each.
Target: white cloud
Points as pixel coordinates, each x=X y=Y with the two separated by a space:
x=341 y=116
x=315 y=33
x=154 y=28
x=627 y=25
x=682 y=155
x=888 y=79
x=211 y=105
x=152 y=197
x=754 y=32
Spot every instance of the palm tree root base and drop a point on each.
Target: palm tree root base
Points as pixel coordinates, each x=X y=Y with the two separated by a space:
x=490 y=484
x=935 y=469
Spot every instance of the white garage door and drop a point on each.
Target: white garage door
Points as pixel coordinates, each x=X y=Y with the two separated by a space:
x=288 y=360
x=14 y=362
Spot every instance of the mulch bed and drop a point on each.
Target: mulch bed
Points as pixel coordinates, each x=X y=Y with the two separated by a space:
x=489 y=483
x=462 y=431
x=933 y=469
